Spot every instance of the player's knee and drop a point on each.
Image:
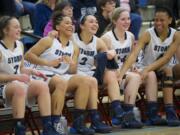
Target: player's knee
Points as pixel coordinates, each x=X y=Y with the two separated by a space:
x=40 y=86
x=19 y=92
x=151 y=75
x=18 y=89
x=92 y=82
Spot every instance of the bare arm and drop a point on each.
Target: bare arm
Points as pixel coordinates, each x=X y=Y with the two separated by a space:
x=25 y=70
x=5 y=78
x=167 y=56
x=143 y=40
x=73 y=64
x=33 y=54
x=107 y=41
x=133 y=43
x=101 y=47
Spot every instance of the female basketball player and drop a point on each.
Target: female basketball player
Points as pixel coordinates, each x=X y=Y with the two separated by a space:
x=160 y=43
x=59 y=56
x=90 y=45
x=118 y=38
x=16 y=85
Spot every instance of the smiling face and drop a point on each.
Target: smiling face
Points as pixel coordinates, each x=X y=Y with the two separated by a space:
x=162 y=21
x=65 y=26
x=13 y=29
x=90 y=25
x=123 y=22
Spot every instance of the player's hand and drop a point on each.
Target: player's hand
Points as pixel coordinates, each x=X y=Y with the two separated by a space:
x=135 y=69
x=111 y=54
x=39 y=74
x=119 y=77
x=67 y=59
x=144 y=74
x=23 y=78
x=55 y=62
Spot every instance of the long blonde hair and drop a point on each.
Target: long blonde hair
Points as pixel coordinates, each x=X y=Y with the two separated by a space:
x=114 y=17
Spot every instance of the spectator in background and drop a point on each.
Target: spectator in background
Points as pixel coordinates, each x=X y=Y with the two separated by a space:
x=83 y=7
x=33 y=1
x=105 y=8
x=26 y=8
x=44 y=11
x=136 y=19
x=7 y=7
x=65 y=8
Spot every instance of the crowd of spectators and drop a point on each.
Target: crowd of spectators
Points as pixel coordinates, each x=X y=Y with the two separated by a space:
x=40 y=12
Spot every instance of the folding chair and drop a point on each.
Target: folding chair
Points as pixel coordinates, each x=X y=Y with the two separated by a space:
x=69 y=103
x=103 y=108
x=5 y=119
x=141 y=102
x=176 y=87
x=30 y=119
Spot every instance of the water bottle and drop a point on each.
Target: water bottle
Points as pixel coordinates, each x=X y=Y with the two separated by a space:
x=65 y=126
x=137 y=114
x=61 y=126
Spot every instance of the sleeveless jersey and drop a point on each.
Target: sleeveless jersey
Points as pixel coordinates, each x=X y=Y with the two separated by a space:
x=11 y=60
x=122 y=48
x=54 y=52
x=86 y=53
x=155 y=49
